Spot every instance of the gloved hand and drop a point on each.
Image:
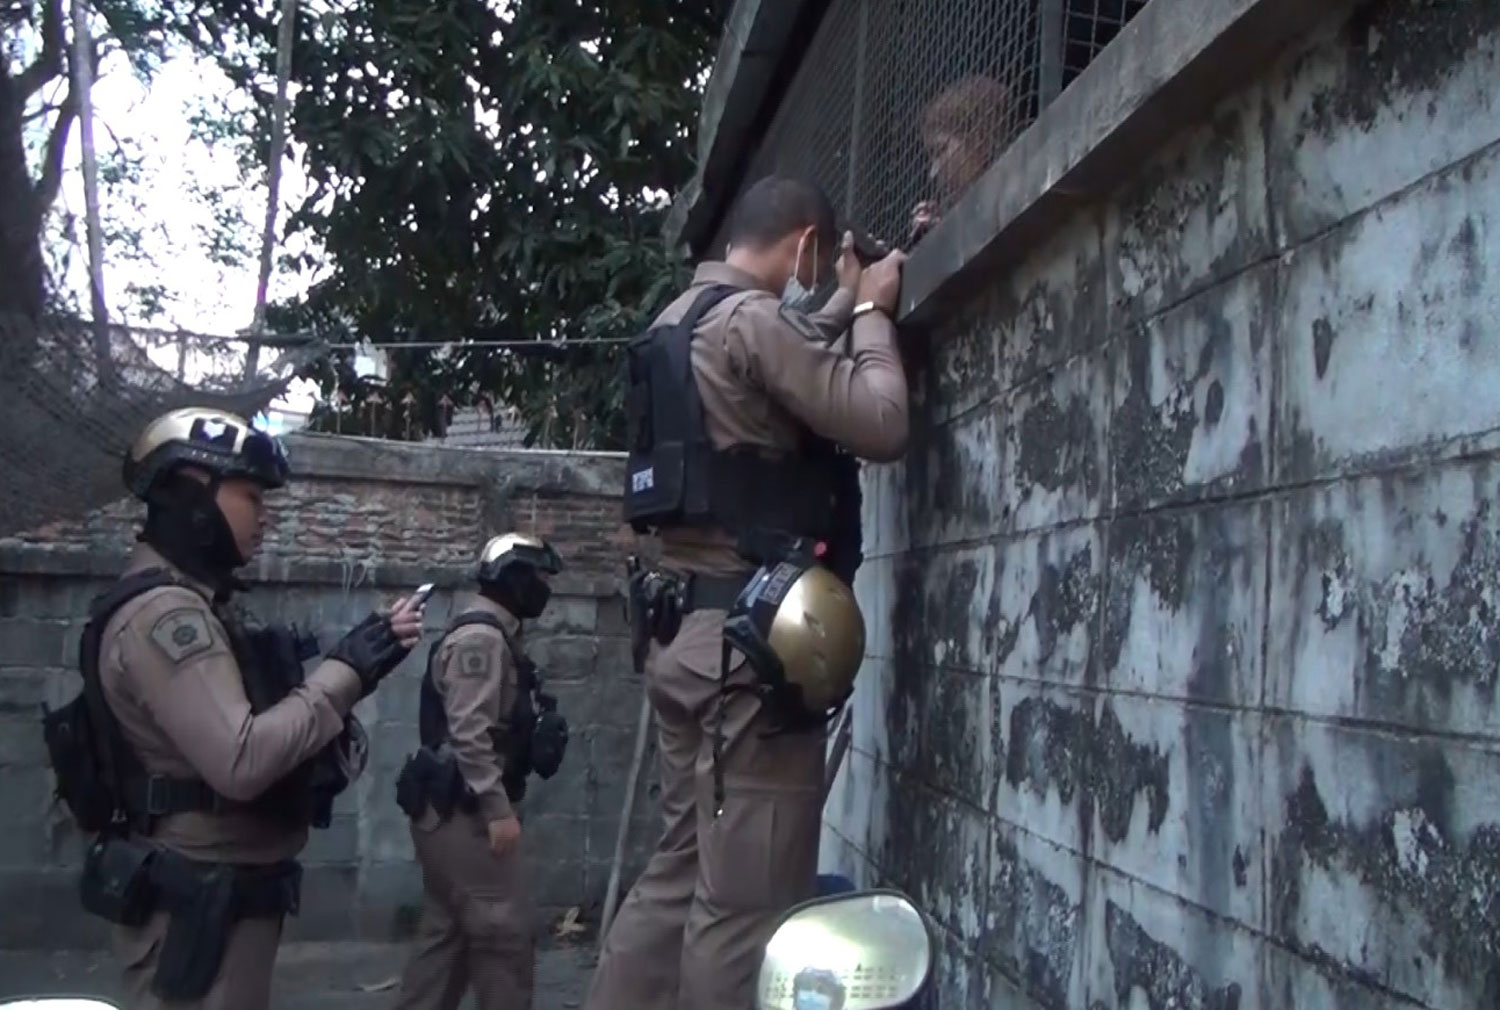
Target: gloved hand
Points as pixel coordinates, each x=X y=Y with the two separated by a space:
x=372 y=649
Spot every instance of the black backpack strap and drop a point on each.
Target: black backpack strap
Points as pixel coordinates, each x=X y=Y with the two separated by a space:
x=706 y=300
x=142 y=796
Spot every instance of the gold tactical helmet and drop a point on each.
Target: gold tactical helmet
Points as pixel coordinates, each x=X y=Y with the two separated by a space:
x=224 y=444
x=801 y=630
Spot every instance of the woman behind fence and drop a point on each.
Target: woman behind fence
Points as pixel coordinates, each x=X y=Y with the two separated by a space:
x=964 y=130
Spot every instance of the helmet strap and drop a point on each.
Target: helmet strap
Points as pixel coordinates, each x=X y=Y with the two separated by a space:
x=186 y=526
x=519 y=589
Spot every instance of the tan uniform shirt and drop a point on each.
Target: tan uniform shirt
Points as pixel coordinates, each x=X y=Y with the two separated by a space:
x=476 y=676
x=173 y=684
x=764 y=372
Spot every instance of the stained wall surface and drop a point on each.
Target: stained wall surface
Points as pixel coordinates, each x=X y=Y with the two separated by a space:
x=1183 y=653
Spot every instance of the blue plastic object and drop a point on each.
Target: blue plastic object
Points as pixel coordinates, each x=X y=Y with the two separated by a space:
x=830 y=884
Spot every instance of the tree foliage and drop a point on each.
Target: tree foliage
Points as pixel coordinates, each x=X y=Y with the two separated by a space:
x=494 y=173
x=479 y=171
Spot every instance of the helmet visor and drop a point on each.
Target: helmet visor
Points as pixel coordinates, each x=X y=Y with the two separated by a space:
x=264 y=458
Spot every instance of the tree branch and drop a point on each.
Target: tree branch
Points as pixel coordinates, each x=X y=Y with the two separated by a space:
x=49 y=63
x=50 y=181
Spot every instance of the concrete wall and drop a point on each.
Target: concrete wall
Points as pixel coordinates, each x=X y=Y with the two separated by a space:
x=1183 y=609
x=364 y=521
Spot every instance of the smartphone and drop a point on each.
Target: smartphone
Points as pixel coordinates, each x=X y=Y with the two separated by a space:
x=419 y=598
x=867 y=248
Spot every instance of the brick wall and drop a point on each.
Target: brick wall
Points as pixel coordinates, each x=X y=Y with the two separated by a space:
x=364 y=521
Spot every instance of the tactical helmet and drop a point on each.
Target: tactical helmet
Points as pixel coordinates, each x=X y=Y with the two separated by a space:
x=801 y=630
x=224 y=444
x=509 y=570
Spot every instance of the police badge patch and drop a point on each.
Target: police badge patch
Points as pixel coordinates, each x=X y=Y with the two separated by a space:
x=182 y=634
x=474 y=661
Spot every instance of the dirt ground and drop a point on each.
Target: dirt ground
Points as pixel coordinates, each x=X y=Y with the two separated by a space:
x=335 y=976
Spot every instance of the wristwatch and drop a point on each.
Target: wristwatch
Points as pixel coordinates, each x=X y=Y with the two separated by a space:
x=864 y=307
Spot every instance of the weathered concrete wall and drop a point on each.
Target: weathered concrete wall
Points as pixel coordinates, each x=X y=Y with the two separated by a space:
x=1184 y=642
x=364 y=522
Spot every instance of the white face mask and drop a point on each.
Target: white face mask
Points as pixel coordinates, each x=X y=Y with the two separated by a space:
x=795 y=295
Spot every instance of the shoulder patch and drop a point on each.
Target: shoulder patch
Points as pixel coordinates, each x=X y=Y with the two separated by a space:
x=472 y=660
x=799 y=322
x=182 y=634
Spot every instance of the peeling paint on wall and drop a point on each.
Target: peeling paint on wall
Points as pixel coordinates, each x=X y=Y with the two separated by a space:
x=1194 y=604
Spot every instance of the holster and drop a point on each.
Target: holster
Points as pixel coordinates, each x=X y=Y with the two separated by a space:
x=204 y=902
x=427 y=780
x=202 y=914
x=635 y=613
x=116 y=882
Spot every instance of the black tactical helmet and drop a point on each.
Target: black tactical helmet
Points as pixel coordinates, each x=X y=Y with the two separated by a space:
x=221 y=443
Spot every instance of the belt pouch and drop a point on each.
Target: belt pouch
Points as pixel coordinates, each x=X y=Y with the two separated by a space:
x=411 y=795
x=116 y=882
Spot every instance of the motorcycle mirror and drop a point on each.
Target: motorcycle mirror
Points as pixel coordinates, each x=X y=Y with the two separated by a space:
x=58 y=1003
x=866 y=950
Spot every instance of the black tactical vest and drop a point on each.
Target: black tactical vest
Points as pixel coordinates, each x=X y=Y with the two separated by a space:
x=106 y=780
x=513 y=740
x=674 y=476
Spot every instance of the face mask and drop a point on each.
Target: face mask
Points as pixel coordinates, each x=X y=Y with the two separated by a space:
x=795 y=295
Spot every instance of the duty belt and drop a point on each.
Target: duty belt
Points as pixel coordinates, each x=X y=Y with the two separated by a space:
x=710 y=592
x=660 y=599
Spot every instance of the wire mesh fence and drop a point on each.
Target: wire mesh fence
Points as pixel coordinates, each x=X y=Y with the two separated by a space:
x=73 y=397
x=899 y=106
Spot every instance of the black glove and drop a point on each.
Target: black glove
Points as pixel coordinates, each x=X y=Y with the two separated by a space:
x=372 y=649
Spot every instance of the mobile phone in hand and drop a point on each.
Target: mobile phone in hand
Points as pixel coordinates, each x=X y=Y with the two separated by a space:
x=419 y=598
x=867 y=248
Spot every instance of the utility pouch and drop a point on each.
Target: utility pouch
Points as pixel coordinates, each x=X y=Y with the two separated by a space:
x=433 y=782
x=549 y=737
x=635 y=611
x=411 y=796
x=116 y=883
x=662 y=602
x=202 y=906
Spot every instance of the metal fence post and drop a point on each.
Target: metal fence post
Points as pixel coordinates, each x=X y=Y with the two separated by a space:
x=1050 y=17
x=860 y=50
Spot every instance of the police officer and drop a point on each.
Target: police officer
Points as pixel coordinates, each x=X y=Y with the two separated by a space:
x=735 y=397
x=477 y=722
x=209 y=751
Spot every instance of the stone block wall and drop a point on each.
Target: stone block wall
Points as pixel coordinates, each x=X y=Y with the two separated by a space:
x=1183 y=653
x=363 y=522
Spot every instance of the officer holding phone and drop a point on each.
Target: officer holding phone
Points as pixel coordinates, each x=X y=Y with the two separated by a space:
x=485 y=725
x=198 y=752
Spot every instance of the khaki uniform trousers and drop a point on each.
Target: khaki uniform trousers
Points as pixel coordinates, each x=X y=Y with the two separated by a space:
x=244 y=979
x=692 y=931
x=476 y=927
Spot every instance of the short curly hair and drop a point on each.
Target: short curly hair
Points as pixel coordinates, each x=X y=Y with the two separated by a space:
x=974 y=110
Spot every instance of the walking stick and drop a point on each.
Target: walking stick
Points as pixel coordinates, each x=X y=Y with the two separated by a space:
x=612 y=891
x=840 y=748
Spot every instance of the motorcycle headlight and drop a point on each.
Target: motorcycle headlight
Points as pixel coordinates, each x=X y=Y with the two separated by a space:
x=867 y=950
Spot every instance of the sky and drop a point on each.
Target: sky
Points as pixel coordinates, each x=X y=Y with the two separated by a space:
x=206 y=297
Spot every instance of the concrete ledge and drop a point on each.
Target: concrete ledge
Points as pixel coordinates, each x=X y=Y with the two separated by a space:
x=420 y=463
x=1165 y=71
